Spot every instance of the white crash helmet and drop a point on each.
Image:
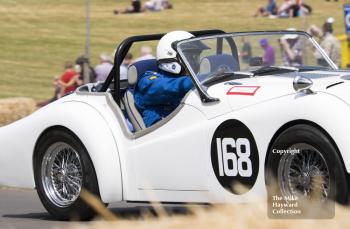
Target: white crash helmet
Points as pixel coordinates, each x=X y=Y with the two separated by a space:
x=166 y=55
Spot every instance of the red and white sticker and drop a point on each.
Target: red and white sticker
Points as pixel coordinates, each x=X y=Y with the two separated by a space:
x=243 y=90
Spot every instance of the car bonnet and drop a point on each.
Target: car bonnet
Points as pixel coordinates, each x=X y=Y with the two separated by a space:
x=249 y=91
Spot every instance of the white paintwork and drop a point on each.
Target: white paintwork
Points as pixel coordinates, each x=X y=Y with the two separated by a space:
x=172 y=163
x=18 y=141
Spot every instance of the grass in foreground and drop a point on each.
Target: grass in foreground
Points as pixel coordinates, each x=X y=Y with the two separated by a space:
x=252 y=215
x=37 y=36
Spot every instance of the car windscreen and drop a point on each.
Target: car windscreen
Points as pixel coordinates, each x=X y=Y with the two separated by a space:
x=252 y=54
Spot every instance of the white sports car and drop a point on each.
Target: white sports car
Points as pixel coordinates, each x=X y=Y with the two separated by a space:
x=262 y=101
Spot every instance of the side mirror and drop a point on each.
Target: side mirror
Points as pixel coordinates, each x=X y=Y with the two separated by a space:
x=302 y=84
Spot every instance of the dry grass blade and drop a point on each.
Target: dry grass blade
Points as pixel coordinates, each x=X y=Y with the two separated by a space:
x=156 y=205
x=249 y=215
x=97 y=205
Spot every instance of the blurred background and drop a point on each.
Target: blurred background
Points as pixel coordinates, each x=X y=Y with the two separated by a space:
x=37 y=37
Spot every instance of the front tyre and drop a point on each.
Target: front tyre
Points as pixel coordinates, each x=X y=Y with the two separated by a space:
x=62 y=168
x=303 y=162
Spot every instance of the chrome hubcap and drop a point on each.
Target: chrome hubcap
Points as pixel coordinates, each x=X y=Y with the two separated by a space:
x=304 y=174
x=61 y=174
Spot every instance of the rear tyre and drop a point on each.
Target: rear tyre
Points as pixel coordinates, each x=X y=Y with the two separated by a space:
x=316 y=167
x=62 y=168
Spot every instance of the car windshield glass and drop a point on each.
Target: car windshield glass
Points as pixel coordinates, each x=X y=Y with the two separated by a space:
x=251 y=54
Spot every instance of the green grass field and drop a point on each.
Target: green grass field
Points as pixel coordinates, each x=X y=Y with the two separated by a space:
x=38 y=36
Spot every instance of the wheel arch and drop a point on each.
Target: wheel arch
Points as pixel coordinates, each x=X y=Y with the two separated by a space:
x=97 y=138
x=62 y=128
x=304 y=122
x=47 y=130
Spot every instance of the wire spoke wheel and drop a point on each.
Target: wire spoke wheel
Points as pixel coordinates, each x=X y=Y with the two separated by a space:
x=304 y=174
x=62 y=174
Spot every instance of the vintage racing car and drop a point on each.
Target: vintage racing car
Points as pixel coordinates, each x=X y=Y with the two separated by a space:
x=249 y=115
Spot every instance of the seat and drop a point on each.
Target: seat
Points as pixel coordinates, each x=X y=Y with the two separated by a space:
x=215 y=63
x=134 y=72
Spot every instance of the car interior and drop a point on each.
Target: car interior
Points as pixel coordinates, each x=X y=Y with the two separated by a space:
x=134 y=72
x=122 y=91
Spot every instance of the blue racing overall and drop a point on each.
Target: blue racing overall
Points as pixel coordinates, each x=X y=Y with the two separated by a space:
x=157 y=94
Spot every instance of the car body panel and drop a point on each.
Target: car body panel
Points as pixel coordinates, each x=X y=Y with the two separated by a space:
x=16 y=159
x=266 y=88
x=172 y=163
x=277 y=113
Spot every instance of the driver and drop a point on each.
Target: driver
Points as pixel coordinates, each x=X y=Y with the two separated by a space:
x=157 y=94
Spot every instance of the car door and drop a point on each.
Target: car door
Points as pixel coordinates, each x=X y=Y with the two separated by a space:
x=174 y=156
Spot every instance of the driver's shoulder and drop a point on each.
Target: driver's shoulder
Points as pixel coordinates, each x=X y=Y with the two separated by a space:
x=158 y=75
x=151 y=75
x=148 y=78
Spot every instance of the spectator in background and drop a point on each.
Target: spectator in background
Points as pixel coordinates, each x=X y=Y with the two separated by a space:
x=136 y=7
x=294 y=8
x=167 y=5
x=291 y=47
x=269 y=55
x=103 y=69
x=300 y=8
x=124 y=67
x=158 y=5
x=315 y=31
x=246 y=52
x=56 y=95
x=57 y=90
x=81 y=60
x=330 y=45
x=283 y=10
x=154 y=5
x=65 y=84
x=145 y=53
x=330 y=21
x=269 y=9
x=75 y=81
x=66 y=77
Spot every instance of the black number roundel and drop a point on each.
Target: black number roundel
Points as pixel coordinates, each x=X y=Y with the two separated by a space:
x=234 y=156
